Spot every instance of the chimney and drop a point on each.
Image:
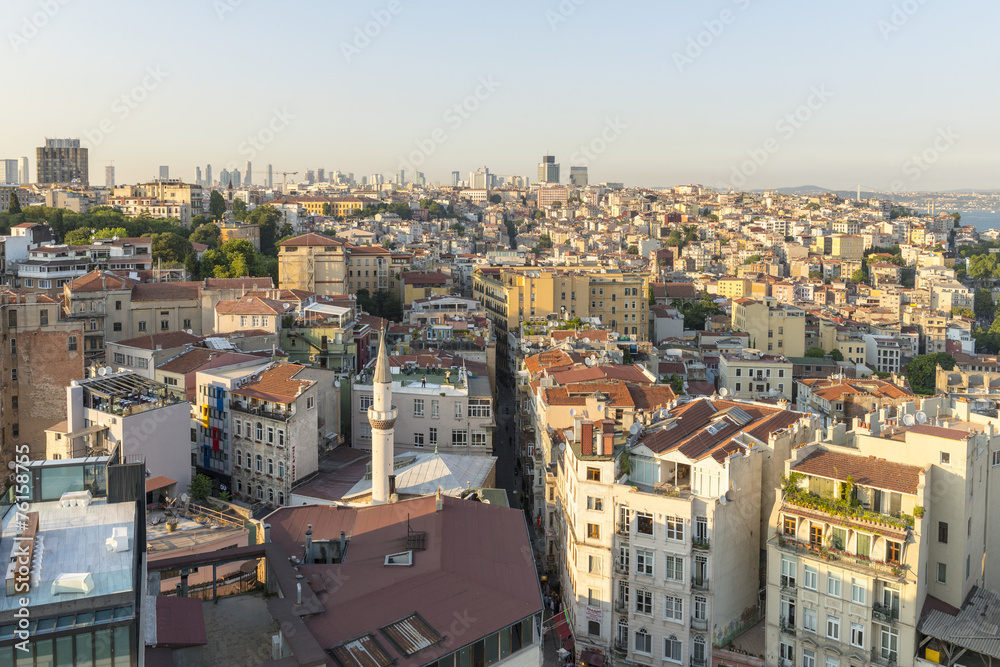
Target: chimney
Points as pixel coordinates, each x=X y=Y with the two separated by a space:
x=343 y=544
x=309 y=544
x=298 y=593
x=576 y=428
x=606 y=444
x=438 y=502
x=587 y=438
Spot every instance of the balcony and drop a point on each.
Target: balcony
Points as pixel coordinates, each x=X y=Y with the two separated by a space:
x=786 y=662
x=851 y=561
x=700 y=544
x=787 y=584
x=698 y=662
x=621 y=606
x=281 y=415
x=787 y=626
x=699 y=624
x=887 y=614
x=699 y=583
x=884 y=658
x=621 y=568
x=623 y=533
x=620 y=649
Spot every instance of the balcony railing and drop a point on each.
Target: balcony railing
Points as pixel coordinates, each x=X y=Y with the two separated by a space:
x=795 y=546
x=787 y=626
x=787 y=584
x=699 y=624
x=621 y=606
x=622 y=532
x=699 y=583
x=280 y=415
x=621 y=568
x=698 y=662
x=700 y=544
x=885 y=613
x=620 y=649
x=786 y=662
x=886 y=659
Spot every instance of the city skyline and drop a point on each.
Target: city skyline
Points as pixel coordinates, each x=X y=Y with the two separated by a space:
x=734 y=94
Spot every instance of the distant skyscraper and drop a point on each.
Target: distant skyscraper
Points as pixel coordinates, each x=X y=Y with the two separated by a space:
x=480 y=179
x=235 y=178
x=270 y=176
x=22 y=171
x=208 y=175
x=8 y=172
x=321 y=175
x=248 y=174
x=548 y=170
x=401 y=179
x=164 y=173
x=578 y=176
x=421 y=180
x=224 y=178
x=109 y=176
x=455 y=177
x=62 y=161
x=310 y=176
x=197 y=176
x=364 y=181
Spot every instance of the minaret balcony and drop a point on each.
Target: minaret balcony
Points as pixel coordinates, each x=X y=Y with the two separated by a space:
x=382 y=419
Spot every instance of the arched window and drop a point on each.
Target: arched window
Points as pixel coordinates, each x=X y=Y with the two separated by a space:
x=260 y=463
x=239 y=486
x=270 y=466
x=260 y=432
x=281 y=469
x=260 y=493
x=239 y=457
x=699 y=648
x=623 y=633
x=270 y=495
x=281 y=498
x=249 y=489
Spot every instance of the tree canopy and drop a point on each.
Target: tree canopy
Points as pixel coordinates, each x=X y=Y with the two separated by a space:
x=816 y=352
x=922 y=371
x=383 y=303
x=15 y=204
x=696 y=312
x=217 y=205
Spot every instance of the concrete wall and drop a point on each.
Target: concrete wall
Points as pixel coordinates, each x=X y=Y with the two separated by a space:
x=162 y=436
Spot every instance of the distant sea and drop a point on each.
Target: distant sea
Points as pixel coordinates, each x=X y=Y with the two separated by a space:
x=982 y=220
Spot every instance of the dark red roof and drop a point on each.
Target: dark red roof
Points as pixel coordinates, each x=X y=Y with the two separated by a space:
x=180 y=621
x=866 y=471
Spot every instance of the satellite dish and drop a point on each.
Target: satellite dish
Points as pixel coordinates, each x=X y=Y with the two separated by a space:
x=336 y=383
x=724 y=392
x=102 y=371
x=527 y=343
x=588 y=361
x=909 y=420
x=921 y=417
x=633 y=429
x=184 y=497
x=723 y=500
x=562 y=446
x=572 y=412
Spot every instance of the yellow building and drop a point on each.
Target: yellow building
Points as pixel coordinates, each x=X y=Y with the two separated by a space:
x=734 y=288
x=774 y=327
x=171 y=191
x=338 y=206
x=422 y=284
x=314 y=263
x=847 y=247
x=517 y=294
x=240 y=230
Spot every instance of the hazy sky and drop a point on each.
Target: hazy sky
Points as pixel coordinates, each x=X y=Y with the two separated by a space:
x=891 y=94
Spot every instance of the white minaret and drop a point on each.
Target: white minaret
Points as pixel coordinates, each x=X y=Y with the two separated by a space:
x=382 y=417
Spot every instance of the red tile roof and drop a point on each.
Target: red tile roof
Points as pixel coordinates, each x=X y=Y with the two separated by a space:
x=275 y=383
x=252 y=306
x=312 y=239
x=866 y=471
x=164 y=340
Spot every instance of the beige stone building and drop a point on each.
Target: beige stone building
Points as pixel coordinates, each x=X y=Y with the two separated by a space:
x=774 y=327
x=313 y=262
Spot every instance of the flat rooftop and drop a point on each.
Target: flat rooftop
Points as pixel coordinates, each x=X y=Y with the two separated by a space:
x=73 y=541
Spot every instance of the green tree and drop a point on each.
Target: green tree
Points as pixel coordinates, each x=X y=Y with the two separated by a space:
x=752 y=259
x=458 y=228
x=958 y=218
x=677 y=384
x=836 y=354
x=815 y=352
x=632 y=250
x=495 y=199
x=922 y=371
x=170 y=248
x=697 y=312
x=626 y=357
x=208 y=234
x=557 y=204
x=963 y=312
x=200 y=487
x=217 y=205
x=327 y=210
x=267 y=218
x=239 y=209
x=983 y=304
x=15 y=204
x=859 y=276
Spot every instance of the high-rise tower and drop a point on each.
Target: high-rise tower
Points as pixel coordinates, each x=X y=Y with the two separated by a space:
x=382 y=417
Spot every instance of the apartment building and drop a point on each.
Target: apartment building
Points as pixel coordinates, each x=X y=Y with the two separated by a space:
x=840 y=399
x=41 y=355
x=274 y=429
x=49 y=267
x=873 y=527
x=444 y=409
x=329 y=336
x=883 y=353
x=314 y=263
x=751 y=374
x=773 y=326
x=241 y=231
x=171 y=192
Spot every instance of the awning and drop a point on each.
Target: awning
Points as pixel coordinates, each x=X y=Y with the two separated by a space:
x=158 y=483
x=592 y=659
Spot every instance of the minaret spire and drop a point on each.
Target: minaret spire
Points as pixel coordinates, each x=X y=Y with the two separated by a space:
x=382 y=417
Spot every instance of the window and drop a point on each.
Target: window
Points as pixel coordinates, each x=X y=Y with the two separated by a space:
x=996 y=458
x=281 y=438
x=893 y=551
x=643 y=642
x=833 y=583
x=644 y=561
x=281 y=498
x=946 y=458
x=808 y=658
x=44 y=316
x=832 y=662
x=164 y=325
x=644 y=523
x=187 y=324
x=259 y=460
x=698 y=652
x=270 y=466
x=888 y=646
x=942 y=532
x=418 y=407
x=644 y=603
x=435 y=409
x=809 y=619
x=675 y=568
x=117 y=326
x=857 y=635
x=833 y=627
x=432 y=436
x=13 y=375
x=594 y=564
x=459 y=438
x=673 y=609
x=788 y=525
x=700 y=607
x=593 y=597
x=260 y=493
x=270 y=435
x=942 y=573
x=310 y=402
x=859 y=591
x=788 y=572
x=594 y=628
x=142 y=326
x=675 y=528
x=458 y=410
x=418 y=439
x=593 y=531
x=786 y=654
x=365 y=403
x=864 y=545
x=816 y=534
x=479 y=438
x=281 y=469
x=593 y=474
x=239 y=459
x=118 y=305
x=672 y=649
x=260 y=432
x=480 y=407
x=838 y=537
x=595 y=504
x=811 y=578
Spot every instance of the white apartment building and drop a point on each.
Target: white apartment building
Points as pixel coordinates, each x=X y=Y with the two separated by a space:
x=750 y=374
x=883 y=353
